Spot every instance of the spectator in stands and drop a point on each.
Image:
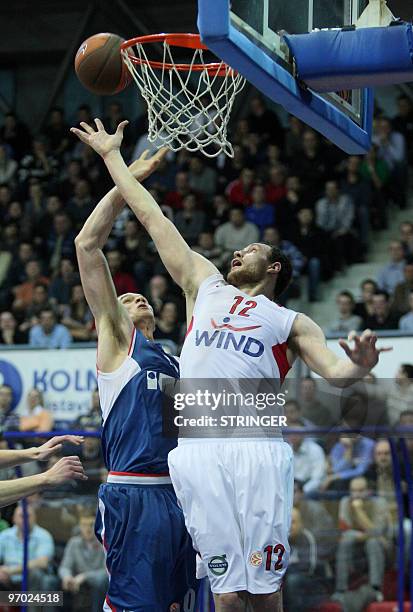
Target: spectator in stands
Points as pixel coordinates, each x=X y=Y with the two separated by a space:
x=382 y=317
x=167 y=325
x=293 y=137
x=239 y=192
x=93 y=418
x=406 y=237
x=392 y=273
x=71 y=174
x=288 y=206
x=349 y=458
x=158 y=292
x=264 y=122
x=76 y=316
x=377 y=173
x=6 y=400
x=316 y=519
x=207 y=248
x=81 y=204
x=381 y=481
x=310 y=165
x=82 y=569
x=400 y=303
x=236 y=234
x=261 y=213
x=134 y=248
x=48 y=333
x=40 y=302
x=24 y=292
x=61 y=286
x=293 y=413
x=45 y=227
x=9 y=332
x=36 y=203
x=276 y=188
x=37 y=417
x=313 y=243
x=190 y=221
x=17 y=271
x=57 y=132
x=312 y=407
x=39 y=163
x=309 y=459
x=175 y=198
x=202 y=178
x=232 y=166
x=272 y=237
x=92 y=461
x=220 y=212
x=5 y=197
x=364 y=307
x=123 y=281
x=8 y=166
x=301 y=589
x=359 y=190
x=60 y=242
x=400 y=397
x=15 y=134
x=403 y=122
x=346 y=321
x=406 y=321
x=392 y=149
x=335 y=215
x=41 y=552
x=363 y=520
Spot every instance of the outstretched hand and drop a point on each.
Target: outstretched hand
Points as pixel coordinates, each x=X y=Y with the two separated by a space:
x=54 y=445
x=364 y=354
x=102 y=142
x=143 y=167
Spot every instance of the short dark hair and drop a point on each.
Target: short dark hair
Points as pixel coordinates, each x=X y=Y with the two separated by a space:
x=285 y=275
x=382 y=292
x=407 y=369
x=346 y=294
x=369 y=281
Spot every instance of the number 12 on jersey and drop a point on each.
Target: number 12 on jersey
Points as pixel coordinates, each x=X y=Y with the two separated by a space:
x=249 y=304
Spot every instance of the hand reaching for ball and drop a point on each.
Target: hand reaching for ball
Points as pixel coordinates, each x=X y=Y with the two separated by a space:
x=102 y=142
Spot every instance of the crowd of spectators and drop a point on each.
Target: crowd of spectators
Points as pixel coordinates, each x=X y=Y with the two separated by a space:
x=285 y=186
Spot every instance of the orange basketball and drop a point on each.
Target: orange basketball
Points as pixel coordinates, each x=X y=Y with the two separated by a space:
x=99 y=65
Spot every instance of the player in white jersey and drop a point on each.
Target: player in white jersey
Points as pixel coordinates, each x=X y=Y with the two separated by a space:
x=237 y=494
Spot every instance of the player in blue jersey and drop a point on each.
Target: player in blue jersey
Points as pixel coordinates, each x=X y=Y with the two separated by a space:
x=149 y=554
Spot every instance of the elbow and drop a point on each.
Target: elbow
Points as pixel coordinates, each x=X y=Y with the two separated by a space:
x=84 y=243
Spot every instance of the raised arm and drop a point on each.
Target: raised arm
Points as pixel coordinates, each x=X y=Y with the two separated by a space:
x=187 y=268
x=307 y=340
x=113 y=324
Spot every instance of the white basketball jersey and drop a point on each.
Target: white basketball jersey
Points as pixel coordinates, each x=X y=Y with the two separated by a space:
x=234 y=335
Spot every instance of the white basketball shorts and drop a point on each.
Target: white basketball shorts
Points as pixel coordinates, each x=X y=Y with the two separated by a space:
x=237 y=499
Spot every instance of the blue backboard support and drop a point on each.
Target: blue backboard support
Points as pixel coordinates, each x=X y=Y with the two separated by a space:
x=276 y=82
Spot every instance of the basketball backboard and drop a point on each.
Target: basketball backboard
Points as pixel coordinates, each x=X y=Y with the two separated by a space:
x=247 y=34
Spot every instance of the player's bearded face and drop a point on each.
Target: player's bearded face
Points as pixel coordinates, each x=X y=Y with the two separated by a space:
x=249 y=266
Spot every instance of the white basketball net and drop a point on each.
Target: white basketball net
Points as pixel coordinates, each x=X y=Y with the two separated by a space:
x=189 y=109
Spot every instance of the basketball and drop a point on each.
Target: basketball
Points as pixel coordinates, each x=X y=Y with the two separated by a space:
x=99 y=65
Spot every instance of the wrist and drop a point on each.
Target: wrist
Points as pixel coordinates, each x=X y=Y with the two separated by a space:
x=110 y=155
x=30 y=454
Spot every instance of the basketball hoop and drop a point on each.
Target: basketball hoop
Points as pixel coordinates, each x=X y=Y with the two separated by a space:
x=189 y=105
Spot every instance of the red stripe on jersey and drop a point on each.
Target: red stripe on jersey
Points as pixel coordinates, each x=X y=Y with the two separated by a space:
x=190 y=326
x=139 y=474
x=110 y=604
x=280 y=355
x=131 y=341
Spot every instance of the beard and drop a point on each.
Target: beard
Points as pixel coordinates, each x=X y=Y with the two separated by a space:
x=246 y=275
